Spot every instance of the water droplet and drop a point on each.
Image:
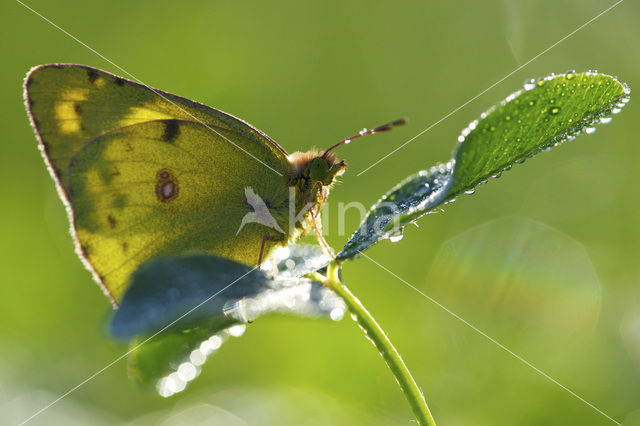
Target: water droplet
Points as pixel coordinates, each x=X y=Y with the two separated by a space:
x=197 y=357
x=215 y=341
x=570 y=74
x=174 y=383
x=532 y=102
x=552 y=101
x=396 y=237
x=237 y=330
x=554 y=110
x=470 y=191
x=508 y=117
x=187 y=371
x=347 y=141
x=529 y=84
x=605 y=120
x=590 y=130
x=336 y=314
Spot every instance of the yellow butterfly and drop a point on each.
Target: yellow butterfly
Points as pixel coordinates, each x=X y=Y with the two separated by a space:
x=145 y=173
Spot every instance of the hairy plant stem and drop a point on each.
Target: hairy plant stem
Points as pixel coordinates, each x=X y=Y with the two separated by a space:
x=380 y=339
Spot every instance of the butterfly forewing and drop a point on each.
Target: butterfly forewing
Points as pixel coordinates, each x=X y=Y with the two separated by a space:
x=72 y=104
x=148 y=173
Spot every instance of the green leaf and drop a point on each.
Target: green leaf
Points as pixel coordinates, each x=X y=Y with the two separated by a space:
x=190 y=304
x=544 y=114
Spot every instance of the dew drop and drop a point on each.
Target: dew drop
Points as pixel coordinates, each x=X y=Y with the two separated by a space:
x=215 y=342
x=336 y=314
x=529 y=84
x=197 y=357
x=237 y=330
x=590 y=130
x=470 y=191
x=605 y=120
x=554 y=110
x=187 y=371
x=396 y=237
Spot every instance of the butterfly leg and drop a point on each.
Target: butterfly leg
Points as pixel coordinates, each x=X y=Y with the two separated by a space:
x=264 y=241
x=316 y=227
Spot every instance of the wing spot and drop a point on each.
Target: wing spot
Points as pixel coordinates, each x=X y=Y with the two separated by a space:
x=77 y=108
x=119 y=81
x=166 y=186
x=95 y=79
x=125 y=246
x=85 y=250
x=112 y=221
x=171 y=130
x=92 y=76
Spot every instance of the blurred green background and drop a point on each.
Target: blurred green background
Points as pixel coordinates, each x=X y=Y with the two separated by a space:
x=544 y=259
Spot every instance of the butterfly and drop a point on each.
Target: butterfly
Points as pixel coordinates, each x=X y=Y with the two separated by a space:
x=146 y=173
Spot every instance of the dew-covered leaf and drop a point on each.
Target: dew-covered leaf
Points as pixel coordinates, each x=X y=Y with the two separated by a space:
x=296 y=260
x=545 y=113
x=178 y=310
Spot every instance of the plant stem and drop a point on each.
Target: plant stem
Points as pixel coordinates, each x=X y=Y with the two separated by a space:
x=380 y=339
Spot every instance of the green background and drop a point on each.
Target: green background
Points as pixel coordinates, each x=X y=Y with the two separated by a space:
x=544 y=260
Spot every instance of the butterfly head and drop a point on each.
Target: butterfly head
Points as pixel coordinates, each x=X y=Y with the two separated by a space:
x=325 y=169
x=314 y=168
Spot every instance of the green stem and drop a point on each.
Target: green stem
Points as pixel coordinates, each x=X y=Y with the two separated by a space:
x=380 y=339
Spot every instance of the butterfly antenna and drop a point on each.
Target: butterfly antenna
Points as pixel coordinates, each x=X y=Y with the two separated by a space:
x=364 y=132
